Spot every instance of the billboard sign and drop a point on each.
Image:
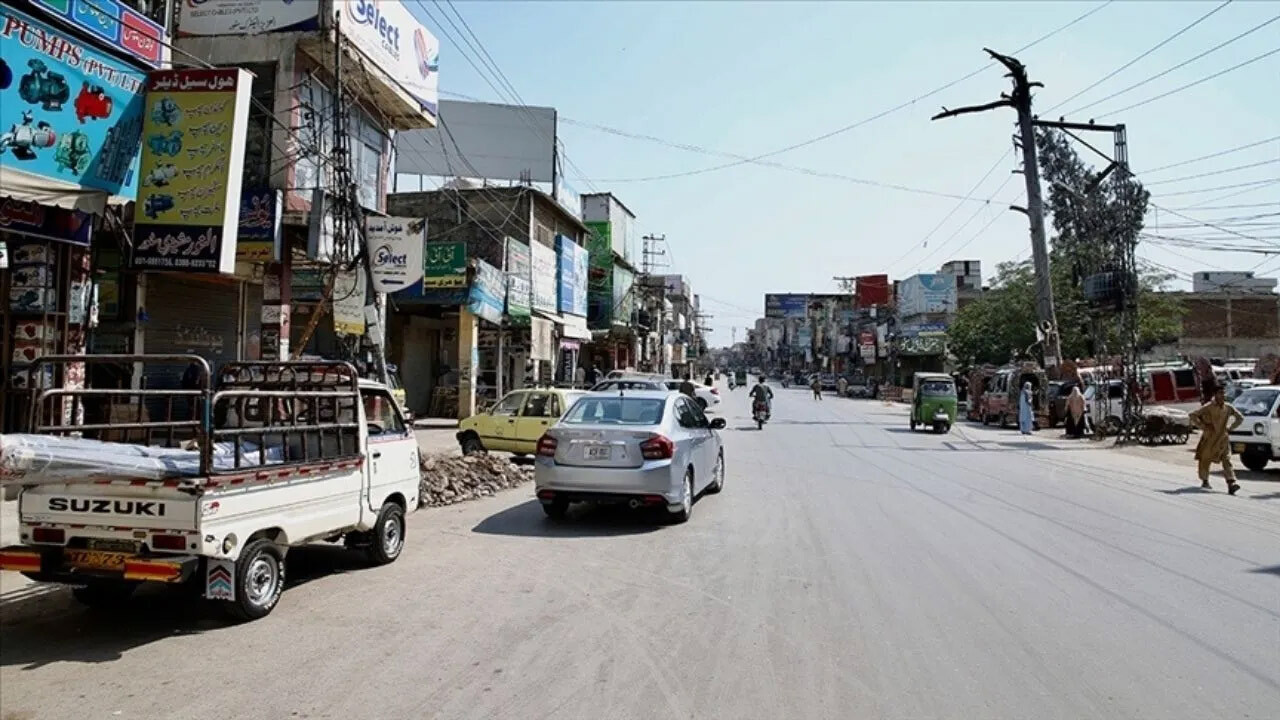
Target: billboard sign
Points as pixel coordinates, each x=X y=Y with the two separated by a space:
x=445 y=265
x=188 y=212
x=500 y=142
x=114 y=24
x=871 y=290
x=348 y=302
x=71 y=115
x=488 y=288
x=571 y=272
x=544 y=277
x=395 y=246
x=258 y=239
x=518 y=287
x=786 y=306
x=43 y=221
x=927 y=293
x=247 y=17
x=399 y=45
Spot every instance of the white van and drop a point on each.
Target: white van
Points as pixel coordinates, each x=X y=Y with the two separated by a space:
x=207 y=486
x=1257 y=440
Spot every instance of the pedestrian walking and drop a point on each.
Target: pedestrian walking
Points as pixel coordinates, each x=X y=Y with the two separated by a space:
x=842 y=386
x=1216 y=419
x=1075 y=413
x=1026 y=415
x=580 y=377
x=816 y=384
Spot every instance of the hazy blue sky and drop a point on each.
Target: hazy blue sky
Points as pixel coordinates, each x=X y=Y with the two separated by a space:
x=750 y=78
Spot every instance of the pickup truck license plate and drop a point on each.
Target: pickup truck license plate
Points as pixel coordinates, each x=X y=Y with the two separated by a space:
x=1238 y=447
x=598 y=452
x=95 y=559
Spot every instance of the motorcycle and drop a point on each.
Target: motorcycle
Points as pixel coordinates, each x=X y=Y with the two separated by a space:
x=760 y=413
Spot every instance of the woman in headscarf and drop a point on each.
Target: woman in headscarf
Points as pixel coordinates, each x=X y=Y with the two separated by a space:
x=1026 y=420
x=1075 y=413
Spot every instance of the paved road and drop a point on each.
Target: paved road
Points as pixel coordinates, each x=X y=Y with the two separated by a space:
x=851 y=569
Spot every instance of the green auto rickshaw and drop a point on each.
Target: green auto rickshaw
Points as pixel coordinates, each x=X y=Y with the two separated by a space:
x=933 y=401
x=740 y=378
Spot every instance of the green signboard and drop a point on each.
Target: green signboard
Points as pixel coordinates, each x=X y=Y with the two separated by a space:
x=600 y=275
x=445 y=265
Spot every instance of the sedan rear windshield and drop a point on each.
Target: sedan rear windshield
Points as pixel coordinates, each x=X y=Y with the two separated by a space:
x=615 y=411
x=1256 y=402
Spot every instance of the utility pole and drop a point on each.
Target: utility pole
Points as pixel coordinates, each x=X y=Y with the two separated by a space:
x=1020 y=100
x=655 y=293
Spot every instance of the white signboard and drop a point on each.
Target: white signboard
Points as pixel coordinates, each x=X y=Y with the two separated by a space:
x=398 y=44
x=348 y=302
x=927 y=293
x=246 y=17
x=544 y=277
x=395 y=251
x=540 y=339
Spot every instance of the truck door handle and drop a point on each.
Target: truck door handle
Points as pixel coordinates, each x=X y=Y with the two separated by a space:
x=377 y=455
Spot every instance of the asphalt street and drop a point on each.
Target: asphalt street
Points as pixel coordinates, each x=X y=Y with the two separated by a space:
x=850 y=569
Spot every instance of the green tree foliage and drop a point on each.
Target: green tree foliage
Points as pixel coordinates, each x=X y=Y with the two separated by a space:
x=1092 y=220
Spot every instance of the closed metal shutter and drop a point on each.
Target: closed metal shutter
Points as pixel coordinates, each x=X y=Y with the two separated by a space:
x=190 y=316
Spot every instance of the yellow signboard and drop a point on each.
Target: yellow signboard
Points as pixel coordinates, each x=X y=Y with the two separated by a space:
x=193 y=140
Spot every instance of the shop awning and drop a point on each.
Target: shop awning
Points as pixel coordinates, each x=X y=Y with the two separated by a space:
x=34 y=188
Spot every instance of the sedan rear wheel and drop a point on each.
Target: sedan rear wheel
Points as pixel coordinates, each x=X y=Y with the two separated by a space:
x=686 y=503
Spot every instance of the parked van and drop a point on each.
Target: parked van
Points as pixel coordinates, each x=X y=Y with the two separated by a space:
x=1000 y=401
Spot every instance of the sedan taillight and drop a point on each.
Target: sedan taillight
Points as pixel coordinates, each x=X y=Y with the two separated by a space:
x=658 y=447
x=715 y=391
x=547 y=446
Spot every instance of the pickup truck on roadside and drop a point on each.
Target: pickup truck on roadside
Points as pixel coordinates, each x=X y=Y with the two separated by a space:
x=208 y=485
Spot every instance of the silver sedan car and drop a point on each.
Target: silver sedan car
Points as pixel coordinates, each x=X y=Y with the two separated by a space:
x=644 y=448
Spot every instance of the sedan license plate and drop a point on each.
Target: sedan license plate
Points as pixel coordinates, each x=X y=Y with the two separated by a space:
x=95 y=560
x=597 y=452
x=1238 y=447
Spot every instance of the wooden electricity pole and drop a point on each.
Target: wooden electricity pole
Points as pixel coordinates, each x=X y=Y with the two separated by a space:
x=1020 y=100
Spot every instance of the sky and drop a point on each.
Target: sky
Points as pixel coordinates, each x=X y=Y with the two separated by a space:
x=750 y=78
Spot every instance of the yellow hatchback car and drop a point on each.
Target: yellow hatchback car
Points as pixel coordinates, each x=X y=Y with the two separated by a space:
x=516 y=422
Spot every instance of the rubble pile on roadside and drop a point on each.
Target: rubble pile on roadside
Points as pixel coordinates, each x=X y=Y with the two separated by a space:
x=449 y=479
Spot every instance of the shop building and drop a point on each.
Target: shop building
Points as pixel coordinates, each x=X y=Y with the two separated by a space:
x=462 y=343
x=613 y=310
x=72 y=103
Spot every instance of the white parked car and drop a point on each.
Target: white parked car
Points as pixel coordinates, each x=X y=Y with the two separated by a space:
x=707 y=397
x=645 y=448
x=1257 y=440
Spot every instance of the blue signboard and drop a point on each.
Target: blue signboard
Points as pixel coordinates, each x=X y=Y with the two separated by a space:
x=488 y=292
x=785 y=306
x=113 y=23
x=571 y=274
x=72 y=114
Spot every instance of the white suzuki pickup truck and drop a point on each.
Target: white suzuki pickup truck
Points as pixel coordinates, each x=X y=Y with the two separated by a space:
x=210 y=484
x=1257 y=440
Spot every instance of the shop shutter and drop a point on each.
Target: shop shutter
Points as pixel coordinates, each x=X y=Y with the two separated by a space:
x=252 y=322
x=190 y=316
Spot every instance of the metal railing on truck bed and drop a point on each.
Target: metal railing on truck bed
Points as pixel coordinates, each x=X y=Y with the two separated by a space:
x=261 y=413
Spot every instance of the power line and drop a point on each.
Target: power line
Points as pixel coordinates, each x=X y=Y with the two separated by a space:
x=1220 y=153
x=965 y=224
x=1233 y=194
x=860 y=123
x=1223 y=171
x=1251 y=184
x=1192 y=84
x=1125 y=66
x=1184 y=63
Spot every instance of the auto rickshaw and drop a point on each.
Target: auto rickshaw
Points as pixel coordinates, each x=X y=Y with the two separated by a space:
x=740 y=378
x=933 y=401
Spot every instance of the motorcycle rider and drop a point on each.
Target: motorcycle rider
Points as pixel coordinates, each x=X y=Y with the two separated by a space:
x=762 y=393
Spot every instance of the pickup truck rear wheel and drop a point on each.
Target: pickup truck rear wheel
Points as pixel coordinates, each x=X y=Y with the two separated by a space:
x=1255 y=461
x=388 y=535
x=104 y=594
x=259 y=580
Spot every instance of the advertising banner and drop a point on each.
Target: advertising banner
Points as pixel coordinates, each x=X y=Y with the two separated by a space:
x=572 y=276
x=600 y=290
x=623 y=299
x=258 y=239
x=113 y=23
x=518 y=286
x=399 y=45
x=927 y=293
x=488 y=286
x=871 y=290
x=348 y=302
x=188 y=210
x=786 y=306
x=49 y=223
x=445 y=265
x=70 y=114
x=395 y=251
x=247 y=17
x=544 y=277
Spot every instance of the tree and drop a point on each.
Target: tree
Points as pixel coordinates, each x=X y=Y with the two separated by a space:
x=1092 y=220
